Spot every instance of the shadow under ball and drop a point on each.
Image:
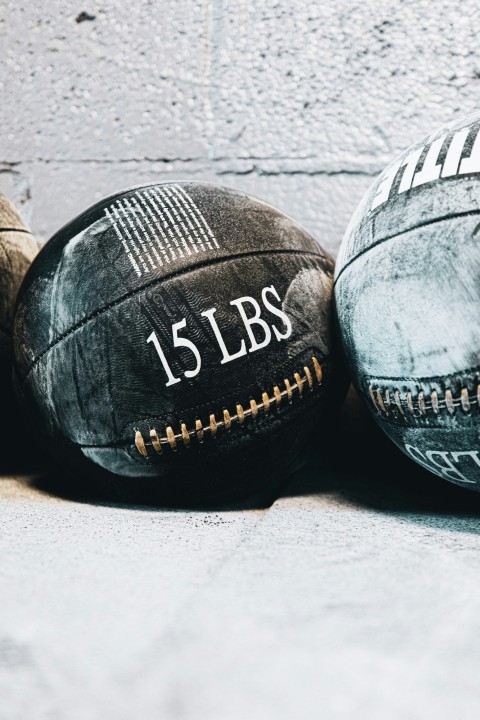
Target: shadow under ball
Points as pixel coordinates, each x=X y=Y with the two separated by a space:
x=407 y=292
x=178 y=337
x=17 y=250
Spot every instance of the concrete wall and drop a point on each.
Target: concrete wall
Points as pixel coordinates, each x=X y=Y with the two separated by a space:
x=298 y=102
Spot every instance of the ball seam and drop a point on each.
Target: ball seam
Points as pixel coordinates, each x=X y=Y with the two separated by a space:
x=137 y=291
x=444 y=218
x=236 y=419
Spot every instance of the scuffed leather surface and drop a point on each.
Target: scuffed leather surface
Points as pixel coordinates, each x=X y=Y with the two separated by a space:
x=88 y=378
x=408 y=292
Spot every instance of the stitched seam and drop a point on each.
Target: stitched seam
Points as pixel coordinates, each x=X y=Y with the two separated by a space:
x=387 y=402
x=325 y=367
x=230 y=420
x=452 y=216
x=132 y=293
x=221 y=399
x=19 y=230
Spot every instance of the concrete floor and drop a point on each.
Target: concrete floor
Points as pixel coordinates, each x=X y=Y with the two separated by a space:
x=356 y=594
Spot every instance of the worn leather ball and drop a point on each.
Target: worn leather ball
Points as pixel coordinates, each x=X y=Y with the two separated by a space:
x=17 y=250
x=407 y=290
x=179 y=336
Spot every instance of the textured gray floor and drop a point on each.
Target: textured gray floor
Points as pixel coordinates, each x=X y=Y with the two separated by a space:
x=357 y=594
x=88 y=593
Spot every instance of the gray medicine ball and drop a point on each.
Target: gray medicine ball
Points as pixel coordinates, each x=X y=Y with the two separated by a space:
x=407 y=290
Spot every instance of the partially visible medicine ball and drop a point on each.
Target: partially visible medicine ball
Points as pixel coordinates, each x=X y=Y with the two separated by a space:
x=17 y=250
x=407 y=290
x=179 y=336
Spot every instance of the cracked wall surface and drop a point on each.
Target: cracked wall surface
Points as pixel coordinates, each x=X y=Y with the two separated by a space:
x=300 y=103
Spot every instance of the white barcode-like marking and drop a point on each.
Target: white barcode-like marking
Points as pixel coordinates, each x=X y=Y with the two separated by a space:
x=158 y=225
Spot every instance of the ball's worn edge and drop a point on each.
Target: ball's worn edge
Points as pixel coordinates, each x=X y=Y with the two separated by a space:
x=237 y=419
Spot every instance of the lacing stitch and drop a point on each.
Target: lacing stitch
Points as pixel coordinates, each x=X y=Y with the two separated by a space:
x=229 y=420
x=385 y=402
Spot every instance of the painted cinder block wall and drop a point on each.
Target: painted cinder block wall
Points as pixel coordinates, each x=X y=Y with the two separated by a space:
x=298 y=102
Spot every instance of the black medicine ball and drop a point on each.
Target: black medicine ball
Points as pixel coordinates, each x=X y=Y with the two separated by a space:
x=179 y=335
